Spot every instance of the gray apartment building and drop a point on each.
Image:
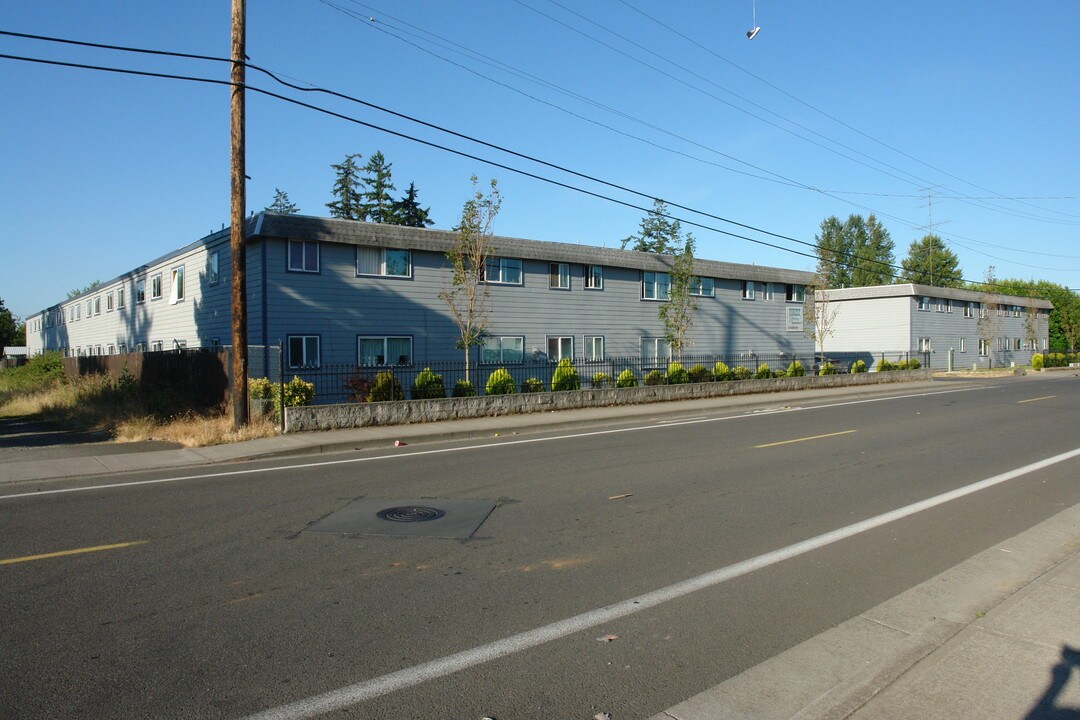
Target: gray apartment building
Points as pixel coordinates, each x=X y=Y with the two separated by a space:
x=346 y=292
x=980 y=330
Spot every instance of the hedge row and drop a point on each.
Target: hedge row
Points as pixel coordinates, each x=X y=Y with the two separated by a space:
x=1054 y=359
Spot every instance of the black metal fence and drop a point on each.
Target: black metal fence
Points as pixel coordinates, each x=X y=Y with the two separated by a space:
x=348 y=383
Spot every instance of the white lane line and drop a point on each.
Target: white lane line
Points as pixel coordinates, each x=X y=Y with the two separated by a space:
x=366 y=690
x=485 y=446
x=681 y=420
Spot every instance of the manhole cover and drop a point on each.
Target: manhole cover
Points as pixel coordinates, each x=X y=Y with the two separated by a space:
x=411 y=513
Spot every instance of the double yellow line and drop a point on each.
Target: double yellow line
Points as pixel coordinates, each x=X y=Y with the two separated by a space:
x=78 y=551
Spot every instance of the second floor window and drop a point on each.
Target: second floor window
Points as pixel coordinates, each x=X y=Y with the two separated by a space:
x=383 y=261
x=655 y=285
x=702 y=287
x=303 y=256
x=594 y=277
x=795 y=293
x=504 y=271
x=559 y=276
x=155 y=286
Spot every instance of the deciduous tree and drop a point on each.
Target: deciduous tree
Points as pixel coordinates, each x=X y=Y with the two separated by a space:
x=677 y=313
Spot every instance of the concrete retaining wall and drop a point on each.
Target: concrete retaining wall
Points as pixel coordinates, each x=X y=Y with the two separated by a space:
x=353 y=415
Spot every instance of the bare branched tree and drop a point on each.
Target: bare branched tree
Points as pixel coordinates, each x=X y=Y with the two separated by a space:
x=467 y=295
x=819 y=313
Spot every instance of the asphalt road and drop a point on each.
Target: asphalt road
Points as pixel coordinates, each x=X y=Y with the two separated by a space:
x=229 y=606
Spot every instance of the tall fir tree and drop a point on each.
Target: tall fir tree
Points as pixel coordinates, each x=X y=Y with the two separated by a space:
x=282 y=204
x=930 y=262
x=407 y=210
x=377 y=205
x=349 y=202
x=833 y=247
x=873 y=258
x=658 y=234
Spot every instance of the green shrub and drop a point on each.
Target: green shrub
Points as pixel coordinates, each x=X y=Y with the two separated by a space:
x=827 y=369
x=260 y=389
x=386 y=388
x=602 y=380
x=428 y=385
x=676 y=374
x=654 y=377
x=700 y=374
x=565 y=377
x=532 y=385
x=626 y=379
x=913 y=364
x=763 y=372
x=858 y=367
x=722 y=372
x=463 y=388
x=1037 y=361
x=885 y=366
x=297 y=393
x=500 y=383
x=741 y=373
x=902 y=365
x=795 y=369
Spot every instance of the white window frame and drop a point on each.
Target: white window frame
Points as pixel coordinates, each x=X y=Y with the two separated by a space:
x=559 y=276
x=594 y=277
x=213 y=270
x=176 y=285
x=157 y=284
x=140 y=291
x=382 y=262
x=702 y=286
x=650 y=350
x=969 y=309
x=941 y=305
x=385 y=340
x=594 y=347
x=120 y=298
x=655 y=286
x=794 y=293
x=97 y=305
x=110 y=303
x=505 y=266
x=560 y=342
x=924 y=303
x=156 y=346
x=494 y=350
x=748 y=290
x=963 y=344
x=297 y=259
x=304 y=362
x=925 y=345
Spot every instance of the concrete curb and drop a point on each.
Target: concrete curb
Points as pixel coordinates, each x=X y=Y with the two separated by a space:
x=845 y=670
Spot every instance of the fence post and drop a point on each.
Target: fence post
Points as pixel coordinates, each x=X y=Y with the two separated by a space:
x=281 y=383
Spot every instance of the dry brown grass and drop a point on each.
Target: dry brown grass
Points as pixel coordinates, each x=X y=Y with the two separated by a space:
x=192 y=431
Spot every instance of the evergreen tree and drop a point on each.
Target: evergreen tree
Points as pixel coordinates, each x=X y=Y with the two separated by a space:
x=930 y=262
x=874 y=259
x=349 y=203
x=377 y=204
x=282 y=204
x=10 y=328
x=833 y=248
x=407 y=210
x=659 y=233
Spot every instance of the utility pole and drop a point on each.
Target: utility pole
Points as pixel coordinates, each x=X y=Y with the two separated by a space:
x=236 y=230
x=929 y=227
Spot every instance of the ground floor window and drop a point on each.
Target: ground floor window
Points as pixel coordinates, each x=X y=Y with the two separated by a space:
x=388 y=350
x=559 y=348
x=303 y=351
x=655 y=349
x=594 y=347
x=984 y=347
x=963 y=344
x=503 y=349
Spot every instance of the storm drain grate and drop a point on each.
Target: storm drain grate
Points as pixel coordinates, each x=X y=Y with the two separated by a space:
x=412 y=517
x=410 y=513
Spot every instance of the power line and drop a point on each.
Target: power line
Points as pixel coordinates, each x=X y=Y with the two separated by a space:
x=460 y=153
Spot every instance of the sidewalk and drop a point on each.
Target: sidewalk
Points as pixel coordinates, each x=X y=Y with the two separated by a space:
x=997 y=636
x=374 y=437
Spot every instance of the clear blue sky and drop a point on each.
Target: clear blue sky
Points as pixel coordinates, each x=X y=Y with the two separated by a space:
x=834 y=108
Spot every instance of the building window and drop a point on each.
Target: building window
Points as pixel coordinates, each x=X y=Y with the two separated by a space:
x=303 y=351
x=559 y=348
x=503 y=271
x=71 y=313
x=982 y=310
x=176 y=286
x=213 y=274
x=948 y=306
x=941 y=304
x=140 y=291
x=122 y=347
x=748 y=290
x=383 y=261
x=140 y=347
x=373 y=350
x=155 y=286
x=655 y=286
x=794 y=293
x=110 y=301
x=559 y=276
x=500 y=350
x=303 y=256
x=702 y=287
x=1016 y=311
x=594 y=347
x=156 y=346
x=963 y=345
x=594 y=277
x=119 y=298
x=924 y=303
x=111 y=350
x=1017 y=343
x=655 y=350
x=969 y=309
x=924 y=345
x=179 y=344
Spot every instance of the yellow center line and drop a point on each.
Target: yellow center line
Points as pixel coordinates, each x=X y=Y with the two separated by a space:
x=815 y=437
x=77 y=551
x=1047 y=397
